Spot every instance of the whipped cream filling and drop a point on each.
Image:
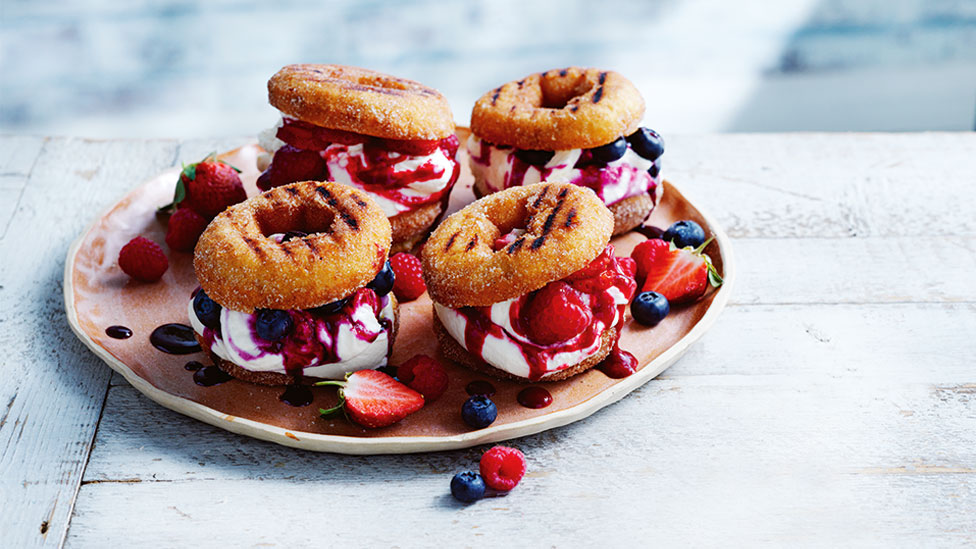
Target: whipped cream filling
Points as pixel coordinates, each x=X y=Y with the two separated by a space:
x=340 y=158
x=495 y=168
x=361 y=342
x=503 y=347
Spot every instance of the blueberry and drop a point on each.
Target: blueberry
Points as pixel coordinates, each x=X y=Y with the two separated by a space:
x=647 y=143
x=685 y=233
x=535 y=158
x=383 y=282
x=649 y=308
x=207 y=310
x=479 y=411
x=273 y=324
x=330 y=308
x=655 y=169
x=293 y=234
x=468 y=486
x=614 y=150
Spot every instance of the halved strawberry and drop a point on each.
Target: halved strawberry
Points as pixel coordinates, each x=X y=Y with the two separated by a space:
x=680 y=274
x=374 y=399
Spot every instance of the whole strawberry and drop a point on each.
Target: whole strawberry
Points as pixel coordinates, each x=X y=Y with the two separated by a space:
x=208 y=187
x=374 y=399
x=679 y=274
x=185 y=228
x=143 y=259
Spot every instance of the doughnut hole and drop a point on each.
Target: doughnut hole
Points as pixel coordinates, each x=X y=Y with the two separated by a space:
x=558 y=93
x=279 y=219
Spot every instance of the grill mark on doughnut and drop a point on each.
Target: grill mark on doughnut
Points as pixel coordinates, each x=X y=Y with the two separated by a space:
x=291 y=190
x=541 y=197
x=564 y=72
x=255 y=247
x=570 y=218
x=494 y=96
x=599 y=91
x=547 y=226
x=450 y=241
x=472 y=244
x=516 y=245
x=520 y=83
x=562 y=193
x=349 y=219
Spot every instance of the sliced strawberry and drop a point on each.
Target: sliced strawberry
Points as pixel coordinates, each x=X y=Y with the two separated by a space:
x=374 y=399
x=681 y=275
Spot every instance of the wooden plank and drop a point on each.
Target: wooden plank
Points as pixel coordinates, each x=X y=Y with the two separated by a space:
x=701 y=460
x=54 y=389
x=17 y=157
x=830 y=184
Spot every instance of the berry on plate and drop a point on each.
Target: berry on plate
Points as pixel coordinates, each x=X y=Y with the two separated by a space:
x=408 y=283
x=555 y=313
x=647 y=143
x=206 y=309
x=502 y=468
x=424 y=375
x=685 y=233
x=185 y=228
x=679 y=274
x=383 y=282
x=649 y=308
x=479 y=411
x=373 y=399
x=207 y=187
x=467 y=487
x=143 y=259
x=614 y=150
x=273 y=324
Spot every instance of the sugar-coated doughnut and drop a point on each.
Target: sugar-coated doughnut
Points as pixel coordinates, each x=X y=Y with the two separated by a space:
x=241 y=268
x=566 y=227
x=571 y=108
x=361 y=101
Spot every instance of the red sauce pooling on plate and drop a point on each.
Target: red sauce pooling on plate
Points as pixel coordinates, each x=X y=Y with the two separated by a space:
x=118 y=332
x=175 y=339
x=618 y=364
x=480 y=387
x=534 y=397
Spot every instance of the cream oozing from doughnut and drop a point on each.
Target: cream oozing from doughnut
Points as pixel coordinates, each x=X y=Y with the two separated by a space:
x=497 y=168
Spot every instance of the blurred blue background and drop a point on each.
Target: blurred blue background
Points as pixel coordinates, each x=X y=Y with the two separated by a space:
x=142 y=68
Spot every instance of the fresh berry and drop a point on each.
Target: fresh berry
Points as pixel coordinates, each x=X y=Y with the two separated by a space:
x=555 y=313
x=408 y=283
x=450 y=144
x=290 y=165
x=534 y=158
x=330 y=308
x=411 y=147
x=613 y=150
x=424 y=375
x=210 y=187
x=143 y=259
x=685 y=233
x=185 y=228
x=479 y=411
x=467 y=487
x=310 y=137
x=649 y=308
x=647 y=143
x=679 y=274
x=206 y=309
x=374 y=399
x=502 y=468
x=273 y=324
x=383 y=282
x=655 y=169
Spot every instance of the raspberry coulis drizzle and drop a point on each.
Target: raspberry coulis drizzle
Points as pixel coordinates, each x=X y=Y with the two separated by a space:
x=118 y=332
x=534 y=397
x=175 y=339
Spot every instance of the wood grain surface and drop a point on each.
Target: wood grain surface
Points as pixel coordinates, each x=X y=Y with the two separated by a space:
x=834 y=402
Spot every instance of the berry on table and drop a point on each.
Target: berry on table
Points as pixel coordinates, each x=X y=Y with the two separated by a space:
x=408 y=283
x=382 y=283
x=373 y=399
x=143 y=259
x=649 y=308
x=647 y=143
x=685 y=233
x=185 y=228
x=468 y=487
x=206 y=309
x=479 y=411
x=424 y=375
x=273 y=324
x=614 y=150
x=502 y=468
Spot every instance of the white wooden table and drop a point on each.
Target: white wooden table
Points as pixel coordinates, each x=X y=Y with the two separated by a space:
x=834 y=403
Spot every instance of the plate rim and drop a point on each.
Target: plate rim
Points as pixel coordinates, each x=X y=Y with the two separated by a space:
x=344 y=444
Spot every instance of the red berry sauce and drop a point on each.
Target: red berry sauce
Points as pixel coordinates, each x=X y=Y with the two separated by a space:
x=118 y=332
x=175 y=339
x=480 y=387
x=534 y=397
x=618 y=364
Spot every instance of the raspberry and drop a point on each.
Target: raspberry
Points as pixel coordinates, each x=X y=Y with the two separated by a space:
x=411 y=147
x=211 y=187
x=143 y=259
x=502 y=468
x=409 y=282
x=556 y=313
x=290 y=165
x=185 y=228
x=646 y=254
x=424 y=375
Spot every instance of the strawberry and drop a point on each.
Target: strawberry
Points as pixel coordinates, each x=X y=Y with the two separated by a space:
x=310 y=137
x=207 y=187
x=408 y=283
x=185 y=228
x=290 y=165
x=680 y=274
x=555 y=313
x=374 y=399
x=143 y=259
x=424 y=375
